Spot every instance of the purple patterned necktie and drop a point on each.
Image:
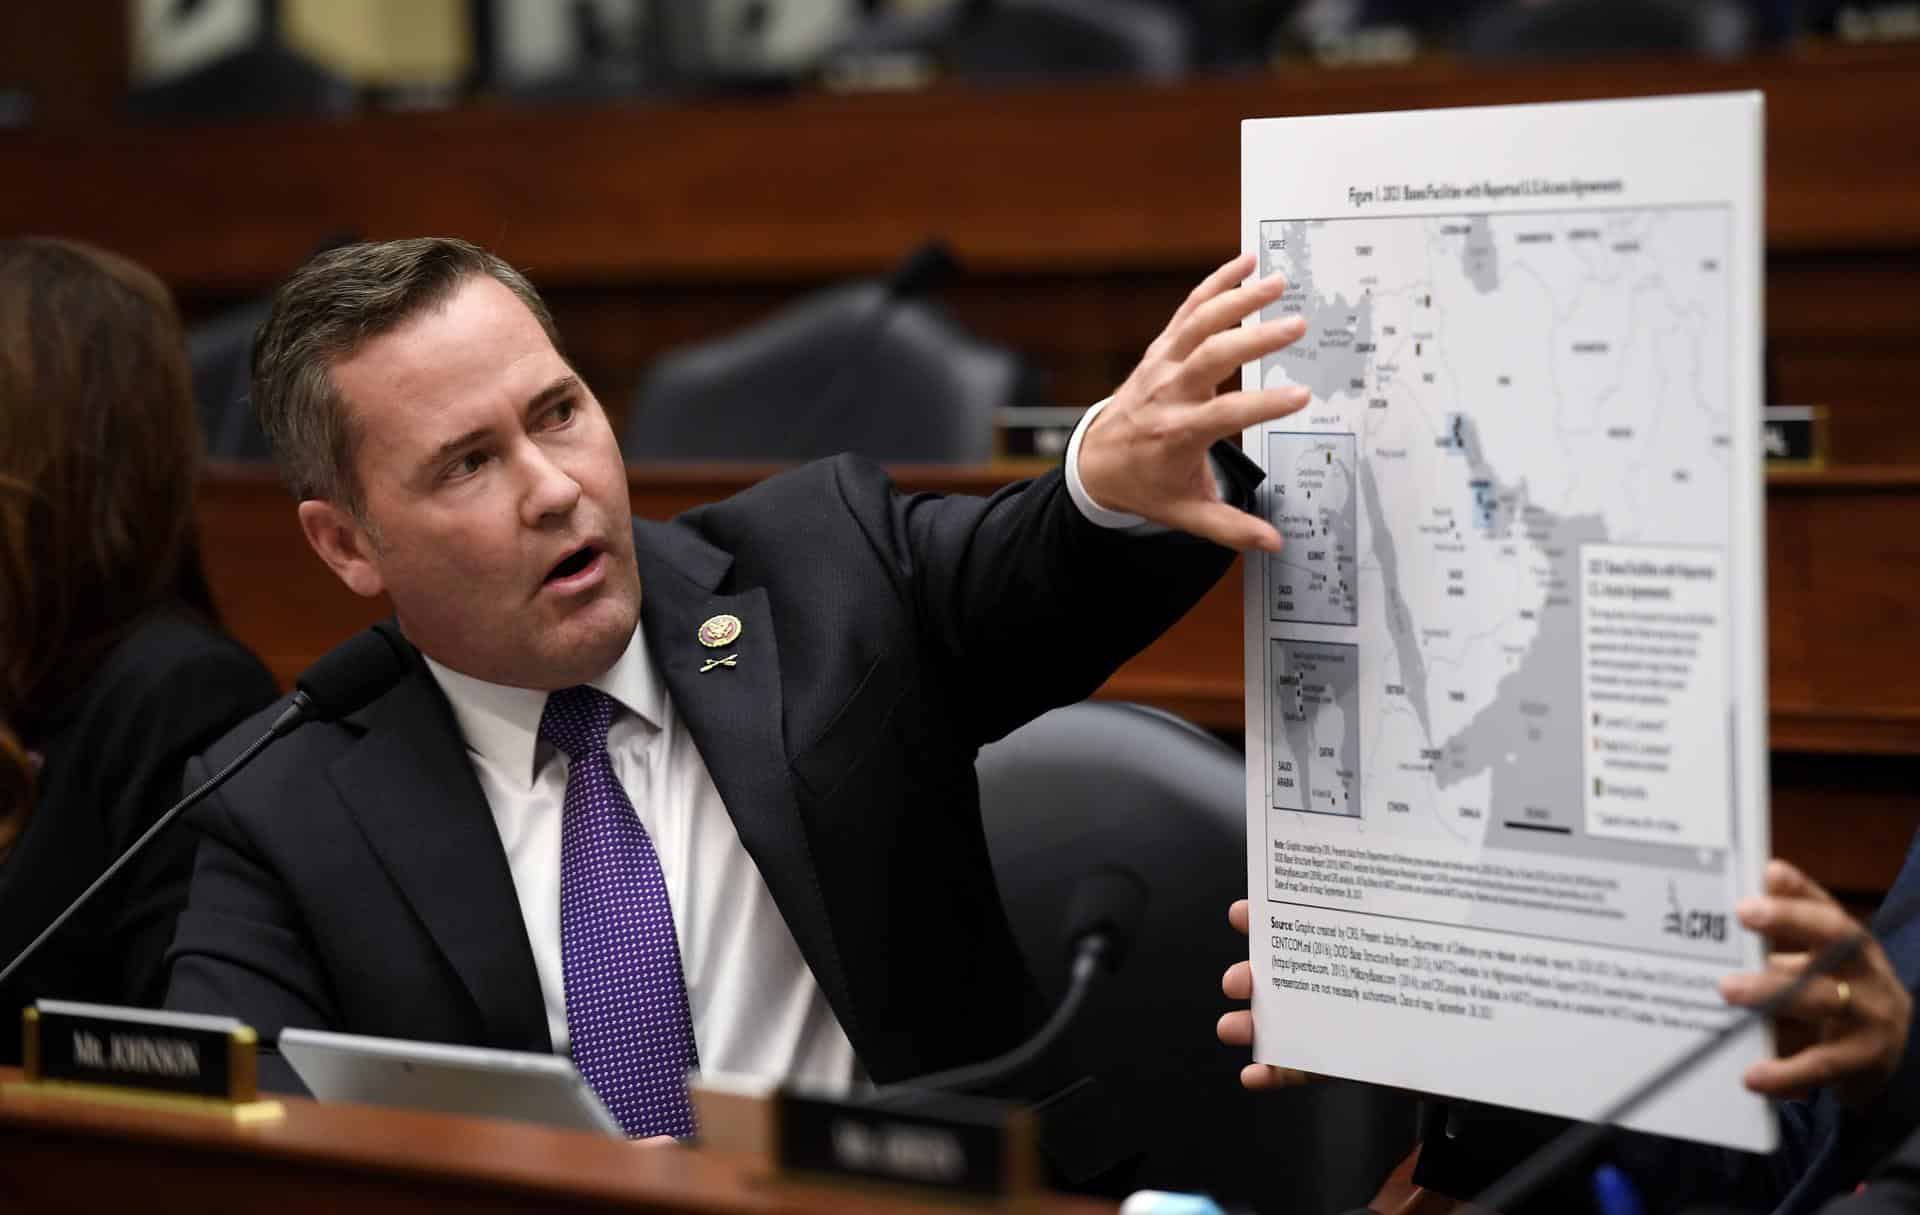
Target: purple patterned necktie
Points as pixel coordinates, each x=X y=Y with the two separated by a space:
x=627 y=1014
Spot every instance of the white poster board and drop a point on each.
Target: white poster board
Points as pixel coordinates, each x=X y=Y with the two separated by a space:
x=1506 y=682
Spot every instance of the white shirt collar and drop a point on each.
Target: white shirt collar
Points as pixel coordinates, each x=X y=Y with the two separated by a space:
x=501 y=723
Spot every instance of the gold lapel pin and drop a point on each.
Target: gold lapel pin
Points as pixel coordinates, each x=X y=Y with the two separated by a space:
x=727 y=662
x=719 y=631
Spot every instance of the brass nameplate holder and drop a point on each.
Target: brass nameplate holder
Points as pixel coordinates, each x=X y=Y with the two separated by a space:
x=955 y=1149
x=142 y=1058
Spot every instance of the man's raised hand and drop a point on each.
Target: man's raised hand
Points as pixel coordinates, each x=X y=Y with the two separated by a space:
x=1146 y=453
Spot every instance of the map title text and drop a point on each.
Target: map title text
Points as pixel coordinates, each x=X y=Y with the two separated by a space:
x=1361 y=197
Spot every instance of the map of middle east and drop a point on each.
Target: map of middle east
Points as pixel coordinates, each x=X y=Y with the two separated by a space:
x=1499 y=402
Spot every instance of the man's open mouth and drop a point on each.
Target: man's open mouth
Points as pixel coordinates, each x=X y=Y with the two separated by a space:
x=573 y=563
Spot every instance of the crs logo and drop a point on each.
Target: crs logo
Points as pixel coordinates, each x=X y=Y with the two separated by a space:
x=1691 y=925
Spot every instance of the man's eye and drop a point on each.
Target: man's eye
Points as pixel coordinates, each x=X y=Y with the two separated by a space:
x=562 y=413
x=470 y=463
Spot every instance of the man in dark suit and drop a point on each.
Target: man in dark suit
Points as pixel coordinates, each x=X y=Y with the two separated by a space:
x=659 y=794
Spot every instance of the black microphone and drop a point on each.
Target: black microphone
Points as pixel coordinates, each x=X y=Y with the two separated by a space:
x=929 y=265
x=1569 y=1149
x=348 y=677
x=1102 y=919
x=345 y=678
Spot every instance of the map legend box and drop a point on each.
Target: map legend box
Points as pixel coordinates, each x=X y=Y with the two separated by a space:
x=1653 y=657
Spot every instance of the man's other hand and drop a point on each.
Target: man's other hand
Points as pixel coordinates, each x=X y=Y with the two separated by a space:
x=1236 y=1027
x=1847 y=1031
x=1146 y=454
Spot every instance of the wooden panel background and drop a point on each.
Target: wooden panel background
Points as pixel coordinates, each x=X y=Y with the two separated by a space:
x=1083 y=214
x=1082 y=181
x=1842 y=665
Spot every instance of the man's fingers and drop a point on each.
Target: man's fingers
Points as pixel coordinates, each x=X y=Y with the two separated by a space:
x=1820 y=1001
x=1220 y=280
x=1224 y=525
x=1796 y=911
x=1785 y=963
x=1751 y=987
x=1748 y=988
x=1236 y=1028
x=1223 y=353
x=1227 y=309
x=1784 y=880
x=1238 y=981
x=1267 y=1076
x=1809 y=1068
x=1237 y=916
x=1797 y=922
x=1226 y=415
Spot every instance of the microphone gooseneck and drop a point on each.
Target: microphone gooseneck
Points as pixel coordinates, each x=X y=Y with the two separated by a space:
x=343 y=680
x=160 y=824
x=1102 y=919
x=1568 y=1149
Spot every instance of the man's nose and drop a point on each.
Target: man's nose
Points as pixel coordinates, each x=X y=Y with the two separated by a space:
x=551 y=490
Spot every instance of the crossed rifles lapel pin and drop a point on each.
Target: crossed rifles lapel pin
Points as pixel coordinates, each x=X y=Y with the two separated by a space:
x=718 y=632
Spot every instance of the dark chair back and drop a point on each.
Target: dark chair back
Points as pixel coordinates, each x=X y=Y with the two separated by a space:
x=1102 y=783
x=857 y=368
x=220 y=351
x=1578 y=29
x=1012 y=40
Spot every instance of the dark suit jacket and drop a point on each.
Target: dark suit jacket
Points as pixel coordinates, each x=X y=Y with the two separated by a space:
x=113 y=751
x=1825 y=1149
x=352 y=879
x=1894 y=1188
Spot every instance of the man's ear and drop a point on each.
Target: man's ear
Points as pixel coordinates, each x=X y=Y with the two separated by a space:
x=343 y=543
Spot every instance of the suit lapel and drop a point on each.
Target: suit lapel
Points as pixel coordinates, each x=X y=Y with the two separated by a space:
x=413 y=792
x=734 y=715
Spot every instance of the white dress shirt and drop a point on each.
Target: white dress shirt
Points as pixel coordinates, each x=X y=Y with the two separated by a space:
x=1095 y=513
x=757 y=1008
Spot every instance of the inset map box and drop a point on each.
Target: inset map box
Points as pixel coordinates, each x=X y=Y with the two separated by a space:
x=1313 y=713
x=1313 y=579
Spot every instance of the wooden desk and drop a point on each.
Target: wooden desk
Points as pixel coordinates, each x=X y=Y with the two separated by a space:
x=63 y=1155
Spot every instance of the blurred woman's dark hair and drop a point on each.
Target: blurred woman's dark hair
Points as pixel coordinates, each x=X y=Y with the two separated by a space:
x=99 y=452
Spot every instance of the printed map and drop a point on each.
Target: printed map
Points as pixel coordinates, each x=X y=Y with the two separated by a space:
x=1491 y=394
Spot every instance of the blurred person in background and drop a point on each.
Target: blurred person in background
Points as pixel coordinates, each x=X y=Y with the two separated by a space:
x=112 y=671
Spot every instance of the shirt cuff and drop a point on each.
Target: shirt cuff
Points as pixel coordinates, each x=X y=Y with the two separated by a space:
x=1117 y=520
x=1095 y=513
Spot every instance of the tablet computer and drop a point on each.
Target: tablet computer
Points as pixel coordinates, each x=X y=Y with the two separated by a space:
x=472 y=1080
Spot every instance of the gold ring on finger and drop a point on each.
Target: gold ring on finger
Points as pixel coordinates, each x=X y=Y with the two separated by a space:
x=1845 y=991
